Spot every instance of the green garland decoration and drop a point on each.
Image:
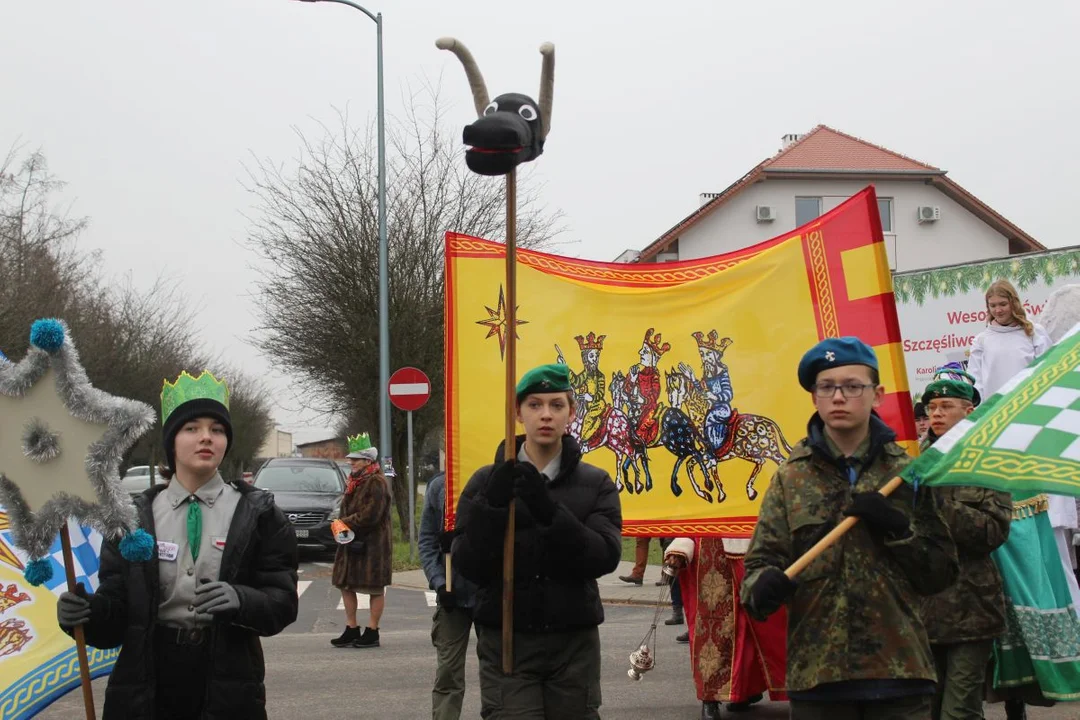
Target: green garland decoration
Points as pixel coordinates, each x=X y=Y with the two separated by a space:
x=1022 y=270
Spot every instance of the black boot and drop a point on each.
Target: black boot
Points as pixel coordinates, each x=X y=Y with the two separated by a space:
x=347 y=638
x=710 y=710
x=370 y=639
x=676 y=616
x=744 y=706
x=1014 y=710
x=684 y=638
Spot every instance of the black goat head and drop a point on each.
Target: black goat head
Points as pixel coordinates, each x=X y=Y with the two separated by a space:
x=511 y=129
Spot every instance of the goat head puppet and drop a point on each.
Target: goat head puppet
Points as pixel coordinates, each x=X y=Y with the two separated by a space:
x=510 y=129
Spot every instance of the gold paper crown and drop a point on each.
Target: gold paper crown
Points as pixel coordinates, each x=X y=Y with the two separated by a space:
x=186 y=388
x=590 y=342
x=710 y=342
x=653 y=342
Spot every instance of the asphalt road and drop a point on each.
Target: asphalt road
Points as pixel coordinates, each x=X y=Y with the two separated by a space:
x=306 y=678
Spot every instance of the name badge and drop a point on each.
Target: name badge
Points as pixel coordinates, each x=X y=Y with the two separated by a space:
x=219 y=543
x=167 y=551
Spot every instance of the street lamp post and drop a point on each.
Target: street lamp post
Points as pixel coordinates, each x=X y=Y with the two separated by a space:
x=384 y=293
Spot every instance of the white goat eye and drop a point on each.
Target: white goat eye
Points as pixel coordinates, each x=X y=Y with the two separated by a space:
x=528 y=112
x=491 y=108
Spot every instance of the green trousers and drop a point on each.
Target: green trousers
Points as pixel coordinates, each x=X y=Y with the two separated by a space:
x=915 y=707
x=556 y=676
x=961 y=671
x=450 y=636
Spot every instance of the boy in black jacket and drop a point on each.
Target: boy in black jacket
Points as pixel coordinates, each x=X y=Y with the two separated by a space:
x=568 y=533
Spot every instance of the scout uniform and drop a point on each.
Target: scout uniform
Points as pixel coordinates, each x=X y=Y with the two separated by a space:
x=963 y=620
x=568 y=533
x=856 y=644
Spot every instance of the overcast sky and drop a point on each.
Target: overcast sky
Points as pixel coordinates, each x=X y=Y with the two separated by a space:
x=149 y=109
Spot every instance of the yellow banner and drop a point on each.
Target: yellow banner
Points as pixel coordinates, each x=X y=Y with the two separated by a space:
x=685 y=373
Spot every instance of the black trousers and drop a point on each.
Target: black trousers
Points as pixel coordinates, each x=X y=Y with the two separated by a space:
x=181 y=678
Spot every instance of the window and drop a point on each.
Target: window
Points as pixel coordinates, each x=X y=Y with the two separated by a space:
x=884 y=208
x=806 y=209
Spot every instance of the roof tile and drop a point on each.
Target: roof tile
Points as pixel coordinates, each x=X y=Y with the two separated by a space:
x=826 y=149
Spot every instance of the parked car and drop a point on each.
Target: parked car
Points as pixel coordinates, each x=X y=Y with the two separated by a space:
x=137 y=479
x=308 y=491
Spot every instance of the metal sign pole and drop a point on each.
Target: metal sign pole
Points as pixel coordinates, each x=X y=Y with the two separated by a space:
x=412 y=492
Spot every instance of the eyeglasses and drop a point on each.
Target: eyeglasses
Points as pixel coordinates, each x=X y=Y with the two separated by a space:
x=849 y=390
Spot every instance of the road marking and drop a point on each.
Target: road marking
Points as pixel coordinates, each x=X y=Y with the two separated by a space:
x=363 y=602
x=323 y=564
x=302 y=586
x=410 y=389
x=430 y=597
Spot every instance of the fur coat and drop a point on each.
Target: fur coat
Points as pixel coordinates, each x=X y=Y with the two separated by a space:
x=366 y=510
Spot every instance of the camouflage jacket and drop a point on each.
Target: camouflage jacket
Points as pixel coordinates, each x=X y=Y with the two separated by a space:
x=854 y=615
x=973 y=608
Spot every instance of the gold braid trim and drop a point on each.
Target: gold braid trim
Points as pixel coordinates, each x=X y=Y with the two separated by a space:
x=1030 y=507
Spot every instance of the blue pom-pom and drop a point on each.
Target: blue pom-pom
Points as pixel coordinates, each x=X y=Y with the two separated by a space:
x=47 y=334
x=137 y=546
x=38 y=572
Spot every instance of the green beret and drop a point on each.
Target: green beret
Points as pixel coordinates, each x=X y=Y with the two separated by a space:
x=832 y=353
x=551 y=378
x=949 y=389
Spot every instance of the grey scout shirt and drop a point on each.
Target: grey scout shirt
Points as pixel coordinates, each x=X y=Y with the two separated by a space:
x=550 y=471
x=180 y=575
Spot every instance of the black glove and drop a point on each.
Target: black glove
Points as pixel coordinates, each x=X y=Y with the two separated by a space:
x=500 y=488
x=447 y=599
x=771 y=590
x=73 y=608
x=880 y=515
x=531 y=486
x=446 y=540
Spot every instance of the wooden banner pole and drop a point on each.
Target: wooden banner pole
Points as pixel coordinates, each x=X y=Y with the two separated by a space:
x=510 y=450
x=835 y=534
x=80 y=636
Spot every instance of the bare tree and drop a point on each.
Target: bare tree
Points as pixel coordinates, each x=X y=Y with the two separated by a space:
x=129 y=340
x=317 y=228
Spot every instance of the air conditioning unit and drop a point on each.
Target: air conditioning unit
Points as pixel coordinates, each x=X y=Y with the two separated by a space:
x=766 y=213
x=929 y=213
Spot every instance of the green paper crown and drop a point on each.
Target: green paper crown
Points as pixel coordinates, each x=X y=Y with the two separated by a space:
x=187 y=388
x=359 y=443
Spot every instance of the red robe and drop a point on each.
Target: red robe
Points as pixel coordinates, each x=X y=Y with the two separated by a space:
x=733 y=656
x=648 y=386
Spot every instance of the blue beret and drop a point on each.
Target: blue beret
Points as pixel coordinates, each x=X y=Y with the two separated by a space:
x=832 y=353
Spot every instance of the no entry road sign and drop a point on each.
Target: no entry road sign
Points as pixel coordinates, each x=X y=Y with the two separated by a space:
x=409 y=389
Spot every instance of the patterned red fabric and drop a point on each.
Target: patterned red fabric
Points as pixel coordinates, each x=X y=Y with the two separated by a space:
x=734 y=657
x=648 y=385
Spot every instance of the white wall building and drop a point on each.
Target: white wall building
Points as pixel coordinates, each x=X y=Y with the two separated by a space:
x=927 y=219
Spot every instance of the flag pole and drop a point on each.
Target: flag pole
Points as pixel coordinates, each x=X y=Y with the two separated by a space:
x=510 y=449
x=80 y=636
x=835 y=534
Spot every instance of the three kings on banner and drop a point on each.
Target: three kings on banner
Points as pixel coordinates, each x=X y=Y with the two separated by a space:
x=684 y=373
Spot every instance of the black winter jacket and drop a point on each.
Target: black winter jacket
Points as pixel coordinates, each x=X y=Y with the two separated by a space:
x=259 y=561
x=556 y=565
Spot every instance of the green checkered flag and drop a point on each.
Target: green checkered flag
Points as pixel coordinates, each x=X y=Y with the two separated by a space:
x=1023 y=440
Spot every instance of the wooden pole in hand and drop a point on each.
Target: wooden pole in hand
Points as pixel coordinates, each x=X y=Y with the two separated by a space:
x=80 y=637
x=510 y=449
x=835 y=534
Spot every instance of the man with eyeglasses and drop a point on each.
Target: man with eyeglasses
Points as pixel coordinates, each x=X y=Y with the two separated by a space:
x=857 y=647
x=963 y=620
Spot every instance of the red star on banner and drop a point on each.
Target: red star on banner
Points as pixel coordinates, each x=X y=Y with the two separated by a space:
x=496 y=323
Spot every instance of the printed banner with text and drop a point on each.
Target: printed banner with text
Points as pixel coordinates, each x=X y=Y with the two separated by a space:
x=684 y=373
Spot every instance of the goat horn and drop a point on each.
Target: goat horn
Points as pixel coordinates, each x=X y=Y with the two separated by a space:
x=547 y=86
x=472 y=71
